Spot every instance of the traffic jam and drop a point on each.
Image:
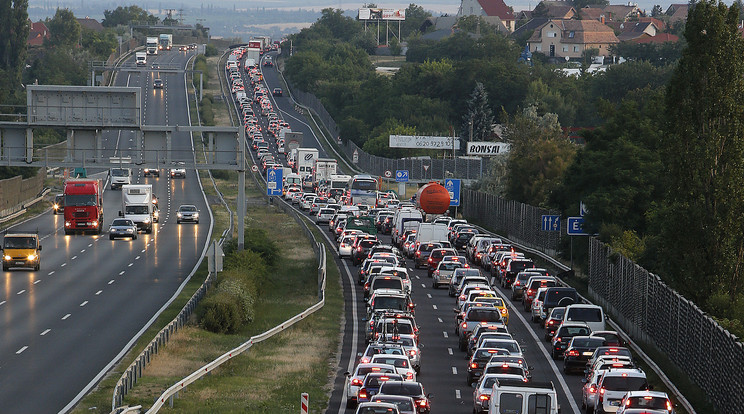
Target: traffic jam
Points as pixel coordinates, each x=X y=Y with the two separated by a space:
x=400 y=250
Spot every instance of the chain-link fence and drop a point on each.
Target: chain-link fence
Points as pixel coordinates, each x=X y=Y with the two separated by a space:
x=650 y=311
x=419 y=168
x=517 y=221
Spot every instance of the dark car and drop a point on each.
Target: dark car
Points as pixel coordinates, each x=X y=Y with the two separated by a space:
x=436 y=256
x=513 y=268
x=563 y=336
x=462 y=237
x=277 y=92
x=478 y=362
x=531 y=290
x=362 y=249
x=559 y=296
x=371 y=384
x=578 y=352
x=421 y=256
x=553 y=321
x=409 y=389
x=59 y=204
x=157 y=83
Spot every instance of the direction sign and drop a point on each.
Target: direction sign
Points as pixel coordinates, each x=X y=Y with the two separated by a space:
x=575 y=226
x=453 y=188
x=551 y=223
x=401 y=176
x=388 y=173
x=274 y=182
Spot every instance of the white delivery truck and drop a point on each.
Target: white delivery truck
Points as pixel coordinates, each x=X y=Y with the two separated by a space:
x=306 y=161
x=323 y=170
x=140 y=58
x=292 y=140
x=402 y=216
x=515 y=396
x=121 y=173
x=137 y=205
x=431 y=233
x=151 y=45
x=166 y=41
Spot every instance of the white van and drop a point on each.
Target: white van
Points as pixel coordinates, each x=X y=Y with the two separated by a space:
x=592 y=315
x=515 y=396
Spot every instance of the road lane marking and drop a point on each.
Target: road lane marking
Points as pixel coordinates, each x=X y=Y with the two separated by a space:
x=45 y=332
x=21 y=350
x=121 y=273
x=423 y=285
x=440 y=320
x=66 y=316
x=21 y=292
x=84 y=303
x=457 y=394
x=111 y=281
x=136 y=258
x=454 y=370
x=445 y=334
x=50 y=273
x=2 y=303
x=434 y=306
x=90 y=245
x=73 y=258
x=143 y=250
x=82 y=251
x=130 y=264
x=417 y=277
x=428 y=295
x=99 y=292
x=37 y=281
x=63 y=265
x=449 y=351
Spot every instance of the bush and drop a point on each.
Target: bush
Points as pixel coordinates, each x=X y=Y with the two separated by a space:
x=206 y=111
x=242 y=296
x=221 y=174
x=258 y=241
x=211 y=50
x=220 y=313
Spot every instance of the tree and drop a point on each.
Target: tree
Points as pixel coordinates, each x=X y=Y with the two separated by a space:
x=700 y=229
x=580 y=4
x=127 y=15
x=64 y=29
x=13 y=36
x=478 y=118
x=657 y=11
x=415 y=16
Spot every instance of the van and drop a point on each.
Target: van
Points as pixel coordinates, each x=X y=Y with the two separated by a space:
x=592 y=315
x=21 y=250
x=514 y=396
x=558 y=297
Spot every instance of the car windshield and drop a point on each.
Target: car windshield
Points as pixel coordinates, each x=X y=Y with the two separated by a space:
x=484 y=315
x=623 y=383
x=362 y=371
x=653 y=403
x=187 y=209
x=587 y=342
x=585 y=315
x=119 y=172
x=403 y=405
x=137 y=210
x=482 y=353
x=80 y=200
x=510 y=346
x=403 y=328
x=396 y=362
x=20 y=242
x=574 y=331
x=386 y=302
x=367 y=243
x=402 y=388
x=122 y=222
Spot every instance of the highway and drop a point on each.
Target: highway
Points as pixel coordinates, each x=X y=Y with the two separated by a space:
x=444 y=367
x=64 y=326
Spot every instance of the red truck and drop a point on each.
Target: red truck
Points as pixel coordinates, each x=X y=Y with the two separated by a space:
x=83 y=206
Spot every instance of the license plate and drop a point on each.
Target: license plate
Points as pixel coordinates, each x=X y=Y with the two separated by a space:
x=587 y=353
x=615 y=402
x=20 y=263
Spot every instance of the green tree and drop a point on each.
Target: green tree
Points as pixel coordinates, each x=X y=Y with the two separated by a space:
x=13 y=35
x=656 y=11
x=415 y=16
x=478 y=118
x=476 y=24
x=701 y=235
x=538 y=157
x=64 y=29
x=100 y=44
x=580 y=4
x=126 y=15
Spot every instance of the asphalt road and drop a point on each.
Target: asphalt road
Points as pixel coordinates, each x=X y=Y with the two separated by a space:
x=444 y=367
x=64 y=326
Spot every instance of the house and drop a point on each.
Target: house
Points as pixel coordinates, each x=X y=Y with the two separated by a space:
x=488 y=8
x=570 y=38
x=677 y=12
x=634 y=30
x=91 y=24
x=555 y=10
x=37 y=33
x=658 y=39
x=615 y=13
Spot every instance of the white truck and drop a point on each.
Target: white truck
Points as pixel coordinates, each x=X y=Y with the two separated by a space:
x=323 y=169
x=140 y=58
x=121 y=173
x=137 y=205
x=431 y=233
x=151 y=45
x=166 y=42
x=306 y=161
x=402 y=216
x=514 y=396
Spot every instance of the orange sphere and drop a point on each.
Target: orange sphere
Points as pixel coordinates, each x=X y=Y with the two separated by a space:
x=433 y=198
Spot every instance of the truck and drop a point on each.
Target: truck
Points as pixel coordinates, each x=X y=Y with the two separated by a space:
x=431 y=233
x=83 y=206
x=137 y=205
x=140 y=58
x=521 y=397
x=121 y=174
x=305 y=161
x=401 y=217
x=323 y=169
x=21 y=250
x=339 y=185
x=166 y=42
x=292 y=140
x=151 y=45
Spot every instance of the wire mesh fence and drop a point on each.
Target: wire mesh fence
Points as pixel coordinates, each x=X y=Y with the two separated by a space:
x=650 y=311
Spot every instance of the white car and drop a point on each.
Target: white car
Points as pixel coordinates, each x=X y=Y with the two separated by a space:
x=482 y=391
x=344 y=248
x=401 y=363
x=307 y=200
x=354 y=381
x=178 y=171
x=408 y=341
x=324 y=215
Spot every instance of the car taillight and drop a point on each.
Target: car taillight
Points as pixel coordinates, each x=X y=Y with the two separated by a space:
x=592 y=389
x=473 y=365
x=431 y=260
x=422 y=403
x=573 y=352
x=550 y=322
x=412 y=352
x=464 y=325
x=359 y=249
x=601 y=391
x=529 y=292
x=484 y=397
x=558 y=339
x=462 y=297
x=409 y=376
x=503 y=311
x=364 y=360
x=362 y=393
x=356 y=381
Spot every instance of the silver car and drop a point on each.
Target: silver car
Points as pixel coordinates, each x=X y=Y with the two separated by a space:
x=187 y=212
x=122 y=228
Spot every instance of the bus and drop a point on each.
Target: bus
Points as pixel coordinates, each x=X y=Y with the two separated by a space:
x=363 y=190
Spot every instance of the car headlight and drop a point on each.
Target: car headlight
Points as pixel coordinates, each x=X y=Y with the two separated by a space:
x=7 y=258
x=147 y=220
x=196 y=215
x=179 y=215
x=32 y=257
x=130 y=230
x=56 y=206
x=67 y=224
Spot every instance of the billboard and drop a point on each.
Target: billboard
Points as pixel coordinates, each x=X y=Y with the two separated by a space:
x=84 y=106
x=382 y=14
x=487 y=149
x=423 y=142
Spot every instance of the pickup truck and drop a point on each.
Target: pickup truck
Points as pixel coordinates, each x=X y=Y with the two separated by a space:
x=477 y=316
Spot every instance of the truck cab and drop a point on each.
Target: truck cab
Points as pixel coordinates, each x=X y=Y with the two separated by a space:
x=121 y=174
x=21 y=250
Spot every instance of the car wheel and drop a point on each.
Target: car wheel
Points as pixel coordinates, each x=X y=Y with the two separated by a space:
x=5 y=268
x=433 y=285
x=197 y=221
x=565 y=368
x=148 y=231
x=37 y=267
x=589 y=410
x=178 y=221
x=134 y=237
x=350 y=403
x=111 y=237
x=552 y=354
x=462 y=344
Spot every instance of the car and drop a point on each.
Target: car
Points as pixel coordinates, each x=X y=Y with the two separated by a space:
x=459 y=275
x=371 y=385
x=614 y=384
x=146 y=172
x=377 y=408
x=563 y=336
x=277 y=92
x=408 y=389
x=354 y=381
x=578 y=352
x=268 y=62
x=122 y=228
x=405 y=405
x=443 y=274
x=651 y=402
x=157 y=83
x=187 y=212
x=553 y=321
x=155 y=66
x=59 y=204
x=178 y=171
x=409 y=342
x=375 y=348
x=479 y=360
x=485 y=386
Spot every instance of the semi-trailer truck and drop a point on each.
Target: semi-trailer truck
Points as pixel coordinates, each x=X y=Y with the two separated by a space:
x=83 y=206
x=166 y=41
x=151 y=45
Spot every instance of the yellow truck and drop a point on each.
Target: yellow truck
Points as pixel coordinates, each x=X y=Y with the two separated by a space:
x=21 y=250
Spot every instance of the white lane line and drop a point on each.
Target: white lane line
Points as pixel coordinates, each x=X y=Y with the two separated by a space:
x=130 y=264
x=3 y=303
x=50 y=273
x=82 y=251
x=428 y=295
x=63 y=265
x=37 y=281
x=84 y=303
x=66 y=316
x=434 y=306
x=457 y=394
x=111 y=281
x=99 y=292
x=410 y=269
x=445 y=334
x=21 y=350
x=21 y=292
x=423 y=285
x=73 y=258
x=136 y=258
x=90 y=245
x=143 y=250
x=454 y=370
x=440 y=320
x=449 y=351
x=417 y=277
x=45 y=332
x=121 y=273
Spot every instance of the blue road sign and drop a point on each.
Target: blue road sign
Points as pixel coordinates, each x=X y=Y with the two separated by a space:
x=575 y=226
x=453 y=188
x=274 y=182
x=551 y=223
x=401 y=176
